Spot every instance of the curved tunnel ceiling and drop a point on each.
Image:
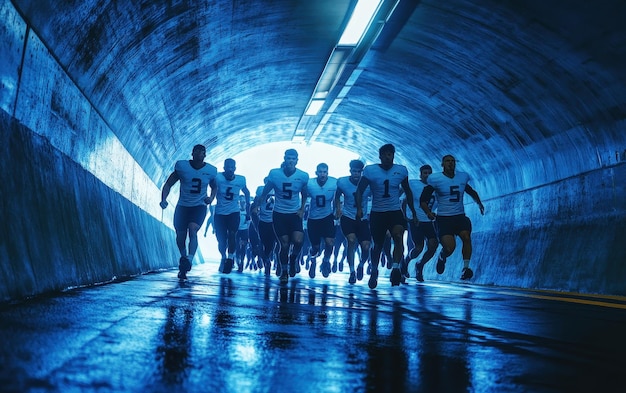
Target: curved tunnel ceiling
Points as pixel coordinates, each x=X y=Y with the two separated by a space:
x=521 y=92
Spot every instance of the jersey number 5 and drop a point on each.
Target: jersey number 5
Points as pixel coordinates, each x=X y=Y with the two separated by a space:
x=455 y=194
x=229 y=195
x=287 y=191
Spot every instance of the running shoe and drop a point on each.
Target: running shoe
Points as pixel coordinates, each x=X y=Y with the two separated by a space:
x=467 y=273
x=419 y=276
x=395 y=277
x=441 y=264
x=325 y=268
x=184 y=265
x=284 y=277
x=373 y=282
x=404 y=267
x=268 y=267
x=292 y=267
x=359 y=271
x=228 y=265
x=352 y=278
x=312 y=268
x=182 y=275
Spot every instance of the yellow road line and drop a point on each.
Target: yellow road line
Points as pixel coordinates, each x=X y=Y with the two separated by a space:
x=567 y=299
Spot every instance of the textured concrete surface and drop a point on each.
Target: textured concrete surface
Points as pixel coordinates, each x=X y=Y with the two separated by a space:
x=61 y=227
x=245 y=333
x=528 y=95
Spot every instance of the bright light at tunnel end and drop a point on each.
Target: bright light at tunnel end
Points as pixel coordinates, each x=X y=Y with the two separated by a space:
x=256 y=162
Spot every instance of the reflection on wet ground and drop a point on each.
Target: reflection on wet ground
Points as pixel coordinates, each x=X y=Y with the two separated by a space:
x=244 y=332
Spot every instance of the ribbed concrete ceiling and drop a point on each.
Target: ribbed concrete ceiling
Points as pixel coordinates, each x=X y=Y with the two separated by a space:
x=521 y=91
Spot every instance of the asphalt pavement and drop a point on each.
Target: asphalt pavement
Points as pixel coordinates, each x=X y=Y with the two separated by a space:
x=245 y=332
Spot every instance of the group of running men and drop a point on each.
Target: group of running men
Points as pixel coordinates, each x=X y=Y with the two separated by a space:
x=370 y=204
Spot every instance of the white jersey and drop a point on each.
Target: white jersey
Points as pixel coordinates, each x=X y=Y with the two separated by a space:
x=449 y=192
x=385 y=186
x=417 y=186
x=349 y=190
x=288 y=189
x=193 y=182
x=266 y=207
x=322 y=197
x=244 y=223
x=228 y=193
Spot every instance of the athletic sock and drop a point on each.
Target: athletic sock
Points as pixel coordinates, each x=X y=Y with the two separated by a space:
x=466 y=263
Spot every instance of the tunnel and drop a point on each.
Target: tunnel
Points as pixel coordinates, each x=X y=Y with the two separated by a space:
x=98 y=99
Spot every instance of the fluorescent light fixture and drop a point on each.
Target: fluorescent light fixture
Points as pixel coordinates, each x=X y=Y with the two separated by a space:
x=359 y=21
x=332 y=70
x=314 y=107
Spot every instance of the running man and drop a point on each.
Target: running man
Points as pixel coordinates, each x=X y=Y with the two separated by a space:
x=355 y=231
x=243 y=233
x=264 y=208
x=289 y=184
x=424 y=229
x=341 y=245
x=384 y=181
x=450 y=187
x=226 y=221
x=195 y=177
x=321 y=223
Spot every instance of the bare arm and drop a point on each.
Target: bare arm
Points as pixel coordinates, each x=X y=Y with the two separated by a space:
x=409 y=197
x=403 y=208
x=337 y=202
x=358 y=196
x=254 y=207
x=424 y=198
x=269 y=186
x=246 y=193
x=171 y=180
x=211 y=198
x=304 y=194
x=471 y=192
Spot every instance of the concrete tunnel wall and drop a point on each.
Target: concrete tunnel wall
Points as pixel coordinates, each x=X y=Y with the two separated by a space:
x=77 y=209
x=62 y=227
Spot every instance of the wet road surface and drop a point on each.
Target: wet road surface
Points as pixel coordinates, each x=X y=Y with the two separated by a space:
x=244 y=332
